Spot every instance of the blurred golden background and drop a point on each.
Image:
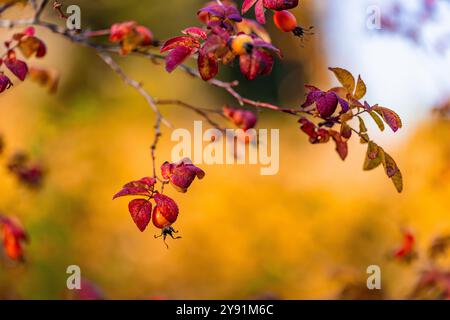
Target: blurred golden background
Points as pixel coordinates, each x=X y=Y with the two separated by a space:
x=301 y=234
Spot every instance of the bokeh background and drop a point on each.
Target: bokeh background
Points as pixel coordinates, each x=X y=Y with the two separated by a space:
x=304 y=233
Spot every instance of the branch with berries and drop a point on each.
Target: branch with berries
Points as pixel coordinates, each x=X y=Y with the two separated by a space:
x=223 y=37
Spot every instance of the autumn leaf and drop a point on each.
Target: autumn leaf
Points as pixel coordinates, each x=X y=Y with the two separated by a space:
x=374 y=156
x=363 y=131
x=390 y=117
x=185 y=41
x=406 y=250
x=18 y=67
x=345 y=78
x=327 y=104
x=195 y=32
x=341 y=144
x=247 y=5
x=177 y=57
x=392 y=171
x=244 y=119
x=142 y=187
x=44 y=77
x=208 y=65
x=346 y=131
x=13 y=236
x=360 y=90
x=5 y=82
x=141 y=211
x=32 y=45
x=377 y=120
x=181 y=174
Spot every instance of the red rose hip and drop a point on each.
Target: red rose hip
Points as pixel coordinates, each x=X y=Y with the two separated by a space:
x=285 y=21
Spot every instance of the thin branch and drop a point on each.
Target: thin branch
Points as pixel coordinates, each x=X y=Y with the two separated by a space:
x=157 y=128
x=133 y=83
x=6 y=6
x=200 y=111
x=82 y=39
x=150 y=100
x=40 y=10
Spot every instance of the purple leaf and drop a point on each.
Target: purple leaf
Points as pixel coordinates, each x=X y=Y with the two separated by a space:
x=327 y=104
x=17 y=67
x=177 y=57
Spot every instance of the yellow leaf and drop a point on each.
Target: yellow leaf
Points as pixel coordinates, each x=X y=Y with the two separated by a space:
x=345 y=78
x=361 y=89
x=377 y=120
x=374 y=156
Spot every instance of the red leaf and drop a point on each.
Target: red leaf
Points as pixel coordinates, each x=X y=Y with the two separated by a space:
x=142 y=187
x=13 y=235
x=17 y=67
x=259 y=12
x=315 y=135
x=308 y=127
x=279 y=5
x=247 y=5
x=341 y=144
x=195 y=32
x=255 y=64
x=177 y=57
x=185 y=41
x=141 y=211
x=245 y=119
x=120 y=30
x=208 y=65
x=407 y=246
x=182 y=174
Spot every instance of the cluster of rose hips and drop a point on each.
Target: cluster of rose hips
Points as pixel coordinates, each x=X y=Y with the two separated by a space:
x=228 y=36
x=180 y=175
x=283 y=19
